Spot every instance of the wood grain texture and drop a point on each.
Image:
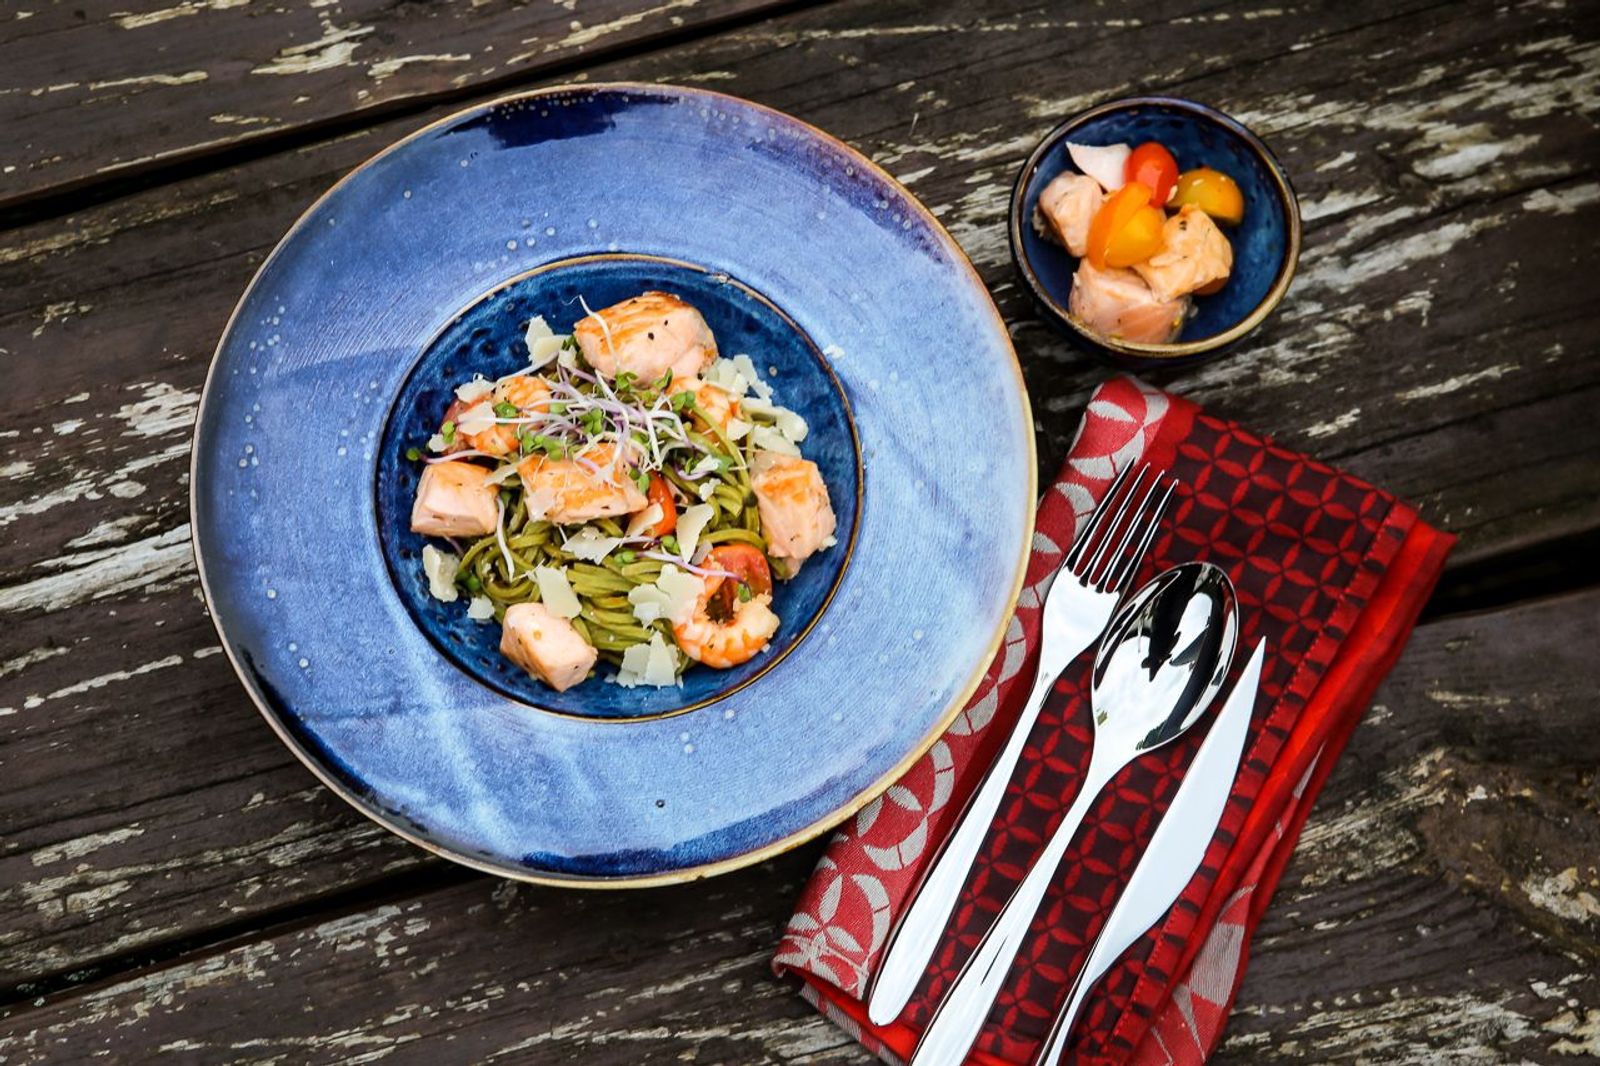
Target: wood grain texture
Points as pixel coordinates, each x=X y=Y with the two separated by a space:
x=1438 y=341
x=97 y=92
x=1443 y=898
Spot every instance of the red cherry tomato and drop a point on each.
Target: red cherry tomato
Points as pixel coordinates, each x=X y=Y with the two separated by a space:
x=1152 y=166
x=747 y=564
x=659 y=492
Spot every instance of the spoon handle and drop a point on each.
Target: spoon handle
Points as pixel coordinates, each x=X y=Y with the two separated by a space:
x=971 y=996
x=913 y=942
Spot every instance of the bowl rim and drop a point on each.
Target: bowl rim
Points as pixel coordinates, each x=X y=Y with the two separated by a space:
x=340 y=788
x=1137 y=349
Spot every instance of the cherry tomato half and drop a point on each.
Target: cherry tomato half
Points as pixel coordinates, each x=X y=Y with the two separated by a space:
x=747 y=564
x=1152 y=166
x=660 y=492
x=1126 y=230
x=1213 y=192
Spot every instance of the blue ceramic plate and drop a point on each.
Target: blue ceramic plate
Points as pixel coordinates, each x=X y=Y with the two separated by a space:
x=1266 y=244
x=422 y=266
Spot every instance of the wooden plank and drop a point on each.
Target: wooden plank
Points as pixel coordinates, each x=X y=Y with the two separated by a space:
x=86 y=97
x=1442 y=901
x=161 y=835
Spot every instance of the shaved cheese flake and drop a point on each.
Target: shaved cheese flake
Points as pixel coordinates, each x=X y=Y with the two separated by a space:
x=1104 y=164
x=747 y=370
x=437 y=443
x=655 y=664
x=441 y=569
x=476 y=389
x=648 y=518
x=683 y=591
x=737 y=428
x=502 y=474
x=590 y=545
x=787 y=422
x=555 y=592
x=476 y=419
x=543 y=344
x=649 y=603
x=769 y=439
x=709 y=465
x=481 y=609
x=539 y=501
x=707 y=489
x=690 y=523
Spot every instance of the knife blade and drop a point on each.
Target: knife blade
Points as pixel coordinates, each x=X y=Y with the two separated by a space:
x=1176 y=849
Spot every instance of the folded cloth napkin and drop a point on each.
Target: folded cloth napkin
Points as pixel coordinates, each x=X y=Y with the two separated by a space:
x=1330 y=571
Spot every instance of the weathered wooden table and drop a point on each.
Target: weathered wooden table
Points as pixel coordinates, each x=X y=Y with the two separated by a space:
x=172 y=881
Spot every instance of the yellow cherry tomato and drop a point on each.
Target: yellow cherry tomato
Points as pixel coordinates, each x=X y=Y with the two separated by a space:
x=1211 y=191
x=1126 y=230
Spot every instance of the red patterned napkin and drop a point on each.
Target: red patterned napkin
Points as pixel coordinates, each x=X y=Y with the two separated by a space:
x=1330 y=571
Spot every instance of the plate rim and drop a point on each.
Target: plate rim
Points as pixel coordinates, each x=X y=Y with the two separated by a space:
x=684 y=874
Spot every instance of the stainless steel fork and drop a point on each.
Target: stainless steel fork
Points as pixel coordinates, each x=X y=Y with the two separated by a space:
x=1077 y=607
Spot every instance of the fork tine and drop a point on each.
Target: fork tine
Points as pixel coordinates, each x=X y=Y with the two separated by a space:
x=1093 y=531
x=1107 y=549
x=1117 y=575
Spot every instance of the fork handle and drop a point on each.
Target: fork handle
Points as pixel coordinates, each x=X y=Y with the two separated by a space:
x=970 y=997
x=912 y=943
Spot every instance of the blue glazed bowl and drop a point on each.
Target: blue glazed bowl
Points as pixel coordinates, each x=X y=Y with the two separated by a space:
x=487 y=339
x=431 y=256
x=1266 y=244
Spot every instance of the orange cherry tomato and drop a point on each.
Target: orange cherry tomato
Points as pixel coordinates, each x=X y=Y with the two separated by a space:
x=746 y=563
x=659 y=492
x=1126 y=230
x=1213 y=192
x=1152 y=166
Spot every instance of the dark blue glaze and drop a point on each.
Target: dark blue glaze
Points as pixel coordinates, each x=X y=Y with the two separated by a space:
x=291 y=433
x=487 y=339
x=1264 y=244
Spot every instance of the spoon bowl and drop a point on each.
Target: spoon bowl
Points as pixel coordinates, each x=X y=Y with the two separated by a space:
x=1164 y=658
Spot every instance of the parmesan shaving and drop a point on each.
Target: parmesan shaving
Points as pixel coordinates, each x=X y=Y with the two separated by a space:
x=543 y=344
x=590 y=545
x=787 y=422
x=769 y=439
x=690 y=523
x=709 y=465
x=481 y=609
x=643 y=520
x=707 y=489
x=476 y=389
x=683 y=591
x=503 y=473
x=437 y=443
x=737 y=428
x=649 y=603
x=440 y=567
x=555 y=592
x=655 y=664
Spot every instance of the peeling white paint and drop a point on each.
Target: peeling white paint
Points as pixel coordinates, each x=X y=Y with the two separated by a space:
x=1456 y=384
x=188 y=78
x=148 y=564
x=388 y=67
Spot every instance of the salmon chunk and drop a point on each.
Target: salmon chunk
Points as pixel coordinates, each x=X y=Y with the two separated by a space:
x=648 y=335
x=796 y=514
x=569 y=491
x=1118 y=303
x=1194 y=255
x=1067 y=206
x=454 y=499
x=546 y=645
x=719 y=406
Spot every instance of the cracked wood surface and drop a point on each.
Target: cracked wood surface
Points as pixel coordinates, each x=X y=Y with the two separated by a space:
x=89 y=92
x=1437 y=341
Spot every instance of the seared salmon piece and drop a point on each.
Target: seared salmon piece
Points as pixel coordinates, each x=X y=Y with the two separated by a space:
x=648 y=335
x=598 y=484
x=1118 y=303
x=1195 y=255
x=1067 y=206
x=530 y=395
x=715 y=402
x=546 y=645
x=796 y=514
x=454 y=499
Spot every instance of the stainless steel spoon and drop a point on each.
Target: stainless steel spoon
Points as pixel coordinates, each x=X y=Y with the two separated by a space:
x=1161 y=664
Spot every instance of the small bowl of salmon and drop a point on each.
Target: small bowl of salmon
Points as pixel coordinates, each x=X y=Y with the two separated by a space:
x=1154 y=231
